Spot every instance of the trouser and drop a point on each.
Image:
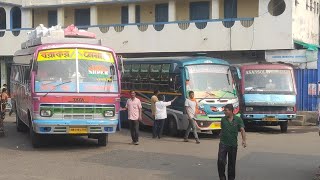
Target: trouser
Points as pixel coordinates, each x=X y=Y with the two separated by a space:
x=158 y=127
x=231 y=152
x=192 y=125
x=134 y=129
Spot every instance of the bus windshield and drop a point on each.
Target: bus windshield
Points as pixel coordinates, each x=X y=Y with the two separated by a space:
x=75 y=70
x=268 y=81
x=210 y=81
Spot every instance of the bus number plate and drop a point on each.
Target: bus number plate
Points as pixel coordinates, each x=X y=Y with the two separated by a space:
x=78 y=130
x=270 y=119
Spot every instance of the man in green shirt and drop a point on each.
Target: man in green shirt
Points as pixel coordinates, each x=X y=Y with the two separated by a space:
x=230 y=126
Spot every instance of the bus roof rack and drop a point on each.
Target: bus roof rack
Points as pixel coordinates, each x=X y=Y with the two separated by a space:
x=42 y=35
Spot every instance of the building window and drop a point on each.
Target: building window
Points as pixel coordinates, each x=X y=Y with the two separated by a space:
x=52 y=18
x=311 y=5
x=314 y=6
x=15 y=18
x=124 y=15
x=3 y=20
x=307 y=5
x=138 y=14
x=317 y=8
x=230 y=8
x=82 y=17
x=199 y=10
x=276 y=7
x=162 y=13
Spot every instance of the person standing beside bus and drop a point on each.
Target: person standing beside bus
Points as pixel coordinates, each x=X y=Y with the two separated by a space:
x=191 y=106
x=161 y=115
x=230 y=126
x=4 y=100
x=154 y=99
x=134 y=116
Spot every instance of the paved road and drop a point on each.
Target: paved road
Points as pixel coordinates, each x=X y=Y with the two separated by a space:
x=270 y=155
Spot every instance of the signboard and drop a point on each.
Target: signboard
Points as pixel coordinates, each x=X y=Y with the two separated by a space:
x=291 y=56
x=312 y=89
x=70 y=54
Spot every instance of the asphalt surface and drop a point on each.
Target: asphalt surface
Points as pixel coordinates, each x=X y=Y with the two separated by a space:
x=269 y=155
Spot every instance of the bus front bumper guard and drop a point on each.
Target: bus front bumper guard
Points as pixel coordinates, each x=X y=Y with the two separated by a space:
x=268 y=117
x=67 y=126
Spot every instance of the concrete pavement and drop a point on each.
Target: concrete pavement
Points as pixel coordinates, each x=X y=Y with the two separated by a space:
x=270 y=155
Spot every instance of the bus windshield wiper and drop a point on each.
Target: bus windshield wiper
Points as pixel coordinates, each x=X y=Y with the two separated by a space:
x=55 y=87
x=225 y=92
x=255 y=88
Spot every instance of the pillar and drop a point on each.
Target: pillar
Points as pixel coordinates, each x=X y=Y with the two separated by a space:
x=172 y=10
x=61 y=17
x=26 y=18
x=214 y=9
x=93 y=15
x=132 y=13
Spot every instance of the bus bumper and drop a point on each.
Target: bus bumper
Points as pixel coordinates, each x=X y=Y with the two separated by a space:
x=75 y=127
x=268 y=117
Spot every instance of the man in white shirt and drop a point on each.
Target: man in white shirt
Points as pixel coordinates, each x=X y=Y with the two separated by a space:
x=191 y=105
x=160 y=115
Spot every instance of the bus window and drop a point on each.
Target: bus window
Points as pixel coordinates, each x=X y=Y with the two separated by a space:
x=126 y=78
x=155 y=75
x=144 y=76
x=135 y=69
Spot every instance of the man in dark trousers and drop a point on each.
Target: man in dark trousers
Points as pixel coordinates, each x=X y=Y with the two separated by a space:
x=230 y=126
x=134 y=116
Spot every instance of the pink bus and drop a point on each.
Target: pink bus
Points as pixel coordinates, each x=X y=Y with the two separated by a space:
x=66 y=86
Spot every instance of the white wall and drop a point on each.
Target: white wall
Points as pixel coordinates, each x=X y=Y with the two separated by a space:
x=305 y=23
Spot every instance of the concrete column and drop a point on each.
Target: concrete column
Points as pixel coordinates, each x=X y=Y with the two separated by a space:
x=132 y=13
x=8 y=17
x=61 y=16
x=214 y=9
x=3 y=71
x=93 y=15
x=26 y=18
x=172 y=10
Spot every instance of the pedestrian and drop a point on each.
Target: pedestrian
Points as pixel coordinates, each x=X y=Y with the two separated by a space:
x=4 y=100
x=230 y=126
x=161 y=115
x=191 y=106
x=154 y=99
x=134 y=116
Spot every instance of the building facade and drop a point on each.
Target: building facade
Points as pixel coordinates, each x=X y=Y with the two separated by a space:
x=237 y=30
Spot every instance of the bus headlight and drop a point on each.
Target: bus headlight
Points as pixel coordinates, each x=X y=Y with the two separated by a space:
x=290 y=109
x=249 y=108
x=108 y=113
x=46 y=113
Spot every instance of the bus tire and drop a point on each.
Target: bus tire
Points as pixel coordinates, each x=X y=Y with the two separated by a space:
x=103 y=140
x=172 y=127
x=284 y=127
x=35 y=138
x=21 y=127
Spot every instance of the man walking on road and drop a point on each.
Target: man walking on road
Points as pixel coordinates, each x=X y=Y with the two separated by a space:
x=191 y=106
x=230 y=126
x=134 y=115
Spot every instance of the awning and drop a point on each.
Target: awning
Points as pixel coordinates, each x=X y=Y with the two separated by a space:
x=310 y=47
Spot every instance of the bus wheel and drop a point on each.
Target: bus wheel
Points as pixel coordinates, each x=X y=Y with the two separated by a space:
x=21 y=127
x=103 y=140
x=35 y=137
x=172 y=127
x=284 y=126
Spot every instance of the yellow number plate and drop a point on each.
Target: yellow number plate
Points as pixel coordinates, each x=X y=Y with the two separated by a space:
x=215 y=126
x=270 y=119
x=78 y=131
